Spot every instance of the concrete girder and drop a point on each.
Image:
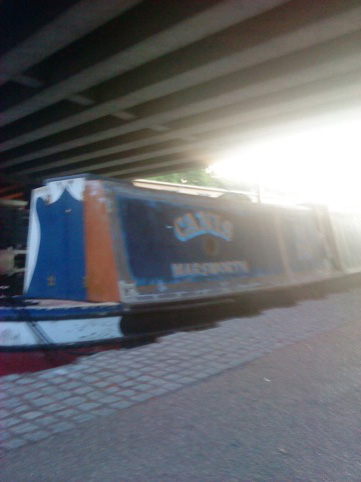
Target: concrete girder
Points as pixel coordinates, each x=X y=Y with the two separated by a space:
x=204 y=158
x=323 y=31
x=182 y=163
x=262 y=89
x=197 y=27
x=338 y=94
x=77 y=21
x=255 y=89
x=174 y=162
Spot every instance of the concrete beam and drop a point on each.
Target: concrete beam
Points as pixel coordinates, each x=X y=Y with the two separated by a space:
x=315 y=76
x=306 y=37
x=27 y=81
x=222 y=142
x=197 y=27
x=77 y=21
x=163 y=166
x=344 y=93
x=292 y=71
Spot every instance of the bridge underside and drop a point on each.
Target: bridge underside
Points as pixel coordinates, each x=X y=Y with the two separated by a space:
x=130 y=88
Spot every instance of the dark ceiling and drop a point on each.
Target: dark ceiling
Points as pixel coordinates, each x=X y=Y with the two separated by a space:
x=129 y=88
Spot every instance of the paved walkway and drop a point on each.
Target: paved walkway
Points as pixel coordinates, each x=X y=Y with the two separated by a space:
x=39 y=405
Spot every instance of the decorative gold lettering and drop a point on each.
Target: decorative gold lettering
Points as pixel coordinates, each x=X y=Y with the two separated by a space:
x=178 y=225
x=194 y=224
x=180 y=270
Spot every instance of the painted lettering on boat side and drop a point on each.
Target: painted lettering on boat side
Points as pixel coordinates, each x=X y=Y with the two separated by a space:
x=195 y=224
x=180 y=270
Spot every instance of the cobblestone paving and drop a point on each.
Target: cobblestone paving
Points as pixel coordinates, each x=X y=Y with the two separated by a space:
x=38 y=405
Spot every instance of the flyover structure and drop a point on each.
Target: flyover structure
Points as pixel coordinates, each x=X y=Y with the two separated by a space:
x=129 y=88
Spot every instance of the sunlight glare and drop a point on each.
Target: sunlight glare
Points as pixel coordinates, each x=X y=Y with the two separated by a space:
x=319 y=164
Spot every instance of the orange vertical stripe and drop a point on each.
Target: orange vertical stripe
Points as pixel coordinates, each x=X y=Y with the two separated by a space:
x=102 y=277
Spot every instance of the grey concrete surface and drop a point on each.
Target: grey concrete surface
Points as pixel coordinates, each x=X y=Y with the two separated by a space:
x=37 y=406
x=293 y=414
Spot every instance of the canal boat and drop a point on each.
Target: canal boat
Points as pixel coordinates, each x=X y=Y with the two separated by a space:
x=101 y=250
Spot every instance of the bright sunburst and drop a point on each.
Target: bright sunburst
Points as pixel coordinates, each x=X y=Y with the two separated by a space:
x=319 y=164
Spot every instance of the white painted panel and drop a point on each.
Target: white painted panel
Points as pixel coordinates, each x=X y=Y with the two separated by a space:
x=74 y=186
x=34 y=235
x=18 y=333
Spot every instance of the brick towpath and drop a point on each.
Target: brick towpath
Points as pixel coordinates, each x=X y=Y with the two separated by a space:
x=41 y=405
